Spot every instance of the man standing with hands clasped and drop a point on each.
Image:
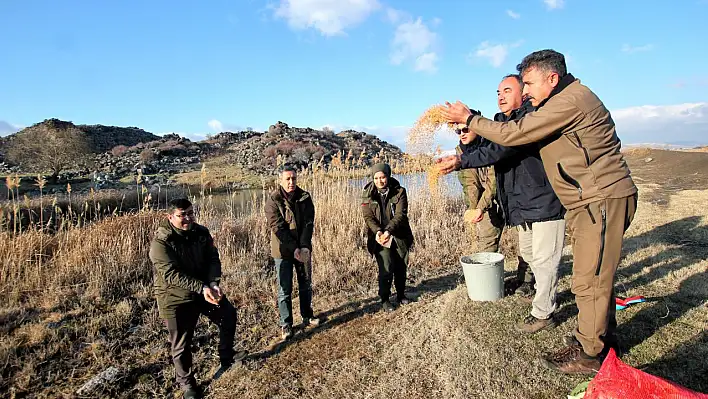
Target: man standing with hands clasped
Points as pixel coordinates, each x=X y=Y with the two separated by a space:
x=384 y=206
x=188 y=272
x=581 y=154
x=290 y=213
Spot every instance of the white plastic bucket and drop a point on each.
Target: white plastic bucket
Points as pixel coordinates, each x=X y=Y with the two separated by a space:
x=484 y=275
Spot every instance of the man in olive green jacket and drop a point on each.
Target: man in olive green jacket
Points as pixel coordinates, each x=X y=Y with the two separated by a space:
x=290 y=213
x=479 y=190
x=187 y=276
x=582 y=158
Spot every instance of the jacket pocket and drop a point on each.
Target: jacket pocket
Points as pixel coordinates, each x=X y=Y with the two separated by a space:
x=570 y=180
x=603 y=232
x=579 y=144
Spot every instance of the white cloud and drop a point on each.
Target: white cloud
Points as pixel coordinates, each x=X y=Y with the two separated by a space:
x=554 y=4
x=7 y=128
x=512 y=14
x=636 y=49
x=414 y=41
x=684 y=124
x=495 y=54
x=395 y=135
x=216 y=125
x=329 y=17
x=394 y=16
x=426 y=62
x=190 y=136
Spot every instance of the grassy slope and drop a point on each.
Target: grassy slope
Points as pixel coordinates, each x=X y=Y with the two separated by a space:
x=448 y=346
x=86 y=306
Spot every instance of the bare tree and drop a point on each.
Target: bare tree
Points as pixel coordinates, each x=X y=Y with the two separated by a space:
x=51 y=146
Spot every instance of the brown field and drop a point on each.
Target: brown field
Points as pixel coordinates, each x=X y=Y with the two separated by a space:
x=75 y=302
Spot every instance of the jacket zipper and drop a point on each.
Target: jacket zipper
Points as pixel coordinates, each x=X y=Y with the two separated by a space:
x=602 y=240
x=592 y=218
x=585 y=151
x=570 y=180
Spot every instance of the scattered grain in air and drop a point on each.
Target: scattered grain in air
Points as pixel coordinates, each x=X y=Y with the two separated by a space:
x=421 y=136
x=421 y=139
x=433 y=175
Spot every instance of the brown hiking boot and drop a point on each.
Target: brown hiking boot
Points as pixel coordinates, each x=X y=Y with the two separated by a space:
x=610 y=343
x=532 y=325
x=572 y=360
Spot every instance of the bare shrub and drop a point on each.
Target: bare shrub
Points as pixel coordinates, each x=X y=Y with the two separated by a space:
x=119 y=150
x=286 y=147
x=147 y=155
x=270 y=152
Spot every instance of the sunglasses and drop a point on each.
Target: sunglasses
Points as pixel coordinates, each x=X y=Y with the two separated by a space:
x=460 y=131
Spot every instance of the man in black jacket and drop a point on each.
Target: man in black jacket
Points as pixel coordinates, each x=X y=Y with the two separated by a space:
x=528 y=202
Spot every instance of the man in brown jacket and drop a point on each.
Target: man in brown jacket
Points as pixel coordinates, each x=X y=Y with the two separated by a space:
x=479 y=189
x=581 y=155
x=291 y=218
x=187 y=276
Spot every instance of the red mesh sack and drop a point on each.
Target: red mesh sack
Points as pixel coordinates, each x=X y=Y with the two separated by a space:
x=616 y=380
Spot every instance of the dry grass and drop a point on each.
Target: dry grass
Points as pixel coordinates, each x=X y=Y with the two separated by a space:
x=221 y=176
x=79 y=301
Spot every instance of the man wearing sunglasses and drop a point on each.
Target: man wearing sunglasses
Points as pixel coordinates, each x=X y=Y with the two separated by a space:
x=478 y=188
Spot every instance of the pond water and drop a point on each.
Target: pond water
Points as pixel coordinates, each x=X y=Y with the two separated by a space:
x=240 y=201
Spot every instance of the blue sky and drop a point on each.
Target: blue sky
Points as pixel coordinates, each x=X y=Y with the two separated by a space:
x=196 y=68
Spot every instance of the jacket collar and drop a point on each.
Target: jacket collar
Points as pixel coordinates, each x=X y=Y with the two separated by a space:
x=373 y=193
x=524 y=109
x=562 y=84
x=170 y=230
x=297 y=196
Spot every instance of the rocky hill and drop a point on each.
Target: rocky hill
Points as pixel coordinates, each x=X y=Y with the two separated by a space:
x=254 y=152
x=100 y=138
x=260 y=152
x=115 y=152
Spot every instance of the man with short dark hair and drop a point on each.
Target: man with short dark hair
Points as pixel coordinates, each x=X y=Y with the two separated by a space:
x=290 y=213
x=581 y=154
x=187 y=276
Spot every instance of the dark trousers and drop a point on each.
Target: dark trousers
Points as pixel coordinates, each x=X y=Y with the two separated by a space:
x=284 y=269
x=392 y=268
x=524 y=274
x=181 y=330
